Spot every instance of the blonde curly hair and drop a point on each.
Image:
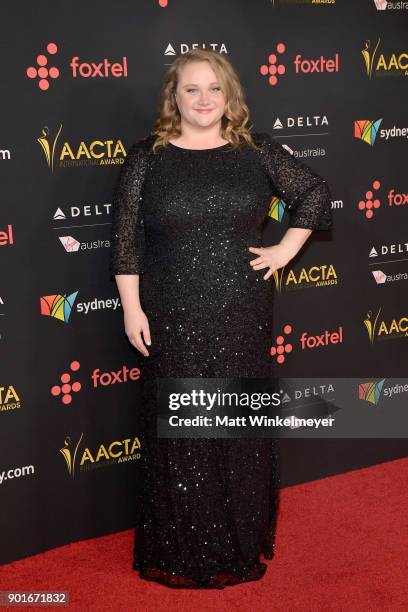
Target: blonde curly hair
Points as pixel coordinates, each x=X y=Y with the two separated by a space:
x=236 y=115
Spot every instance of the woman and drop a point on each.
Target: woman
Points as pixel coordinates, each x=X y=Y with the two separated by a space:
x=191 y=272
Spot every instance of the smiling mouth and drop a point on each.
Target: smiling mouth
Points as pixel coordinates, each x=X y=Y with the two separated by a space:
x=204 y=110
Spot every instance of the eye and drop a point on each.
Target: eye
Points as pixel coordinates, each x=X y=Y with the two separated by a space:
x=191 y=89
x=217 y=88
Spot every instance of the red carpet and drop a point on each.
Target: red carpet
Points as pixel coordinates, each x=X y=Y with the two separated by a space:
x=342 y=545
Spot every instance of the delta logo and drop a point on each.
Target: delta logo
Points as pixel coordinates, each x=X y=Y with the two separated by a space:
x=379 y=64
x=367 y=130
x=324 y=275
x=299 y=122
x=397 y=248
x=43 y=73
x=278 y=64
x=69 y=154
x=81 y=458
x=69 y=383
x=85 y=210
x=372 y=202
x=283 y=344
x=385 y=329
x=9 y=398
x=170 y=50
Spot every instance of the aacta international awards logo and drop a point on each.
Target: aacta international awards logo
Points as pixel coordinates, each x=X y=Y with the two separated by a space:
x=392 y=64
x=323 y=275
x=69 y=452
x=371 y=391
x=48 y=145
x=385 y=329
x=371 y=324
x=103 y=455
x=91 y=153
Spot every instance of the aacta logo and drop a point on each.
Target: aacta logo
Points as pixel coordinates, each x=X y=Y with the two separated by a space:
x=379 y=64
x=314 y=276
x=276 y=67
x=104 y=455
x=385 y=330
x=93 y=153
x=371 y=391
x=9 y=399
x=103 y=69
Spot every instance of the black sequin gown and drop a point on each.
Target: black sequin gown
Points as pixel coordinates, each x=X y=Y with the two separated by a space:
x=183 y=219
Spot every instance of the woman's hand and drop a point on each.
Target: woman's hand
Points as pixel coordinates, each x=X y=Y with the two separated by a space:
x=273 y=257
x=136 y=324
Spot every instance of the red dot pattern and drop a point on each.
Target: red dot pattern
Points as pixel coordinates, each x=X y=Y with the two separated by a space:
x=65 y=390
x=370 y=203
x=274 y=69
x=280 y=348
x=41 y=71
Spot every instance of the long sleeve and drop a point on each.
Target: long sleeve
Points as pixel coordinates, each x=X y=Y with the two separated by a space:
x=305 y=193
x=128 y=241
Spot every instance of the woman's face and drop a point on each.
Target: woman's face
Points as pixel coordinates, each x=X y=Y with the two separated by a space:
x=198 y=95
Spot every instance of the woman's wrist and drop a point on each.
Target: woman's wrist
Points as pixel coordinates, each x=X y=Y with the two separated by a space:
x=294 y=239
x=289 y=249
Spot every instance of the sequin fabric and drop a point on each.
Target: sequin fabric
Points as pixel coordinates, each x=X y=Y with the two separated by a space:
x=183 y=219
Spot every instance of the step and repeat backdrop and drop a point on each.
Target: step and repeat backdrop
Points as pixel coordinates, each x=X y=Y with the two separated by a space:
x=80 y=84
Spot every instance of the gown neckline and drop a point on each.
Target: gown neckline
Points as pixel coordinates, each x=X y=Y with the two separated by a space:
x=227 y=144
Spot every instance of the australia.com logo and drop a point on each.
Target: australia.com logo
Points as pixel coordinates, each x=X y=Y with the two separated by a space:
x=45 y=70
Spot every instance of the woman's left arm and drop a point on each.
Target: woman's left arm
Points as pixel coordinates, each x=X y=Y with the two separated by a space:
x=308 y=202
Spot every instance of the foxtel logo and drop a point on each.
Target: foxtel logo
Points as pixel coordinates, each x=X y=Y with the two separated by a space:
x=276 y=66
x=102 y=69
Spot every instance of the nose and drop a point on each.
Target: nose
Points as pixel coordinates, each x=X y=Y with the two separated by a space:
x=204 y=98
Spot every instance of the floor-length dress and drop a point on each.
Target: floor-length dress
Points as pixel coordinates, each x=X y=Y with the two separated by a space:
x=183 y=219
